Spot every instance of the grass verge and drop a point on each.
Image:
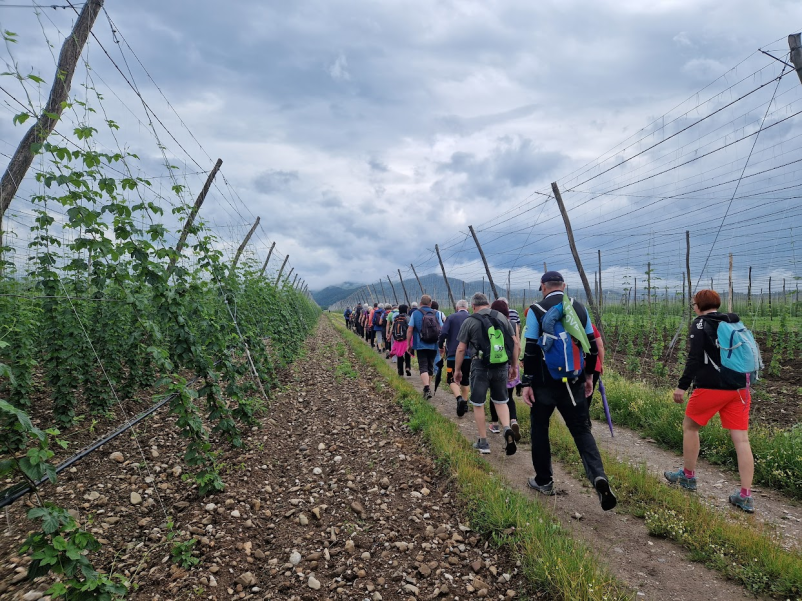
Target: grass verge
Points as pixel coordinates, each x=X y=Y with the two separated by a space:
x=554 y=563
x=778 y=453
x=744 y=550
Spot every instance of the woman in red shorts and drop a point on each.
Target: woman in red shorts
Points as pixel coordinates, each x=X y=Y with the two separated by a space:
x=712 y=395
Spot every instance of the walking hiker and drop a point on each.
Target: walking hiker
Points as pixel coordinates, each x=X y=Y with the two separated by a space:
x=400 y=349
x=488 y=336
x=719 y=386
x=357 y=319
x=379 y=325
x=422 y=334
x=347 y=315
x=558 y=373
x=369 y=325
x=448 y=343
x=514 y=379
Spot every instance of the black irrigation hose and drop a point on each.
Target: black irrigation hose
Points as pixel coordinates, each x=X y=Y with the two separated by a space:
x=16 y=492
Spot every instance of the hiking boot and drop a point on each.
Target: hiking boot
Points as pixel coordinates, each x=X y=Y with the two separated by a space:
x=494 y=428
x=745 y=503
x=680 y=478
x=462 y=406
x=516 y=430
x=544 y=489
x=427 y=393
x=482 y=447
x=509 y=438
x=409 y=373
x=606 y=496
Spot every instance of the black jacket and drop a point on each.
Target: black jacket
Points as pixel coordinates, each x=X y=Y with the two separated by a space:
x=702 y=373
x=535 y=369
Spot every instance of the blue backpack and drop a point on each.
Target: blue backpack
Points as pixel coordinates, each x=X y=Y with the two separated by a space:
x=563 y=356
x=740 y=355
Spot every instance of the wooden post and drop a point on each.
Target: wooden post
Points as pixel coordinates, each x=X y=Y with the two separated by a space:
x=684 y=305
x=422 y=291
x=688 y=271
x=270 y=252
x=635 y=295
x=295 y=279
x=395 y=296
x=785 y=300
x=577 y=260
x=484 y=260
x=545 y=269
x=38 y=133
x=596 y=283
x=242 y=246
x=711 y=283
x=287 y=279
x=770 y=316
x=524 y=303
x=193 y=213
x=483 y=284
x=448 y=286
x=384 y=296
x=404 y=288
x=601 y=290
x=284 y=264
x=749 y=291
x=795 y=44
x=375 y=294
x=463 y=289
x=649 y=286
x=509 y=294
x=729 y=289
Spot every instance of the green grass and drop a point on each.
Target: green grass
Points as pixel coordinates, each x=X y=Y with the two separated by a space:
x=744 y=549
x=778 y=453
x=553 y=562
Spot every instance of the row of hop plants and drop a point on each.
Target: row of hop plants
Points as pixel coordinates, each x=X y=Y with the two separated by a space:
x=110 y=312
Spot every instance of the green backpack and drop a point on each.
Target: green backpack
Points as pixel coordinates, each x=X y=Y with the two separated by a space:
x=496 y=348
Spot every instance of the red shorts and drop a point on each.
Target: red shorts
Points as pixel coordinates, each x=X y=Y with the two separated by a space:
x=732 y=405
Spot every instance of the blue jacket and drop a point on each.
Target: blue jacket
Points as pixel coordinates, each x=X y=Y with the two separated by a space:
x=450 y=332
x=415 y=322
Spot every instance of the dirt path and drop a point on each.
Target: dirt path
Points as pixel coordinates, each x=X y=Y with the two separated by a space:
x=715 y=483
x=334 y=498
x=655 y=568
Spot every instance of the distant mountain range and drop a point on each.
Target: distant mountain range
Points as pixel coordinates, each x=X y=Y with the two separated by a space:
x=433 y=284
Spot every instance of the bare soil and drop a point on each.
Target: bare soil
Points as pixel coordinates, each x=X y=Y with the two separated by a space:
x=332 y=498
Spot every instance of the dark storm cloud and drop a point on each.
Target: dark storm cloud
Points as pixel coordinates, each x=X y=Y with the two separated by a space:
x=351 y=126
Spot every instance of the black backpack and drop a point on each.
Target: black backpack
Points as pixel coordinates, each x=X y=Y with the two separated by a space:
x=400 y=327
x=430 y=327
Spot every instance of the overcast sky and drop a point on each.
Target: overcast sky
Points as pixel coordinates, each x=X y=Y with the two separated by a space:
x=362 y=133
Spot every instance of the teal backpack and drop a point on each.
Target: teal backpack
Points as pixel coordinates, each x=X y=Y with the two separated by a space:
x=740 y=355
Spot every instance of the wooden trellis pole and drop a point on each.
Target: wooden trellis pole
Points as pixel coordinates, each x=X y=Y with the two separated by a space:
x=577 y=260
x=270 y=252
x=243 y=245
x=71 y=50
x=280 y=271
x=448 y=286
x=193 y=213
x=422 y=291
x=395 y=296
x=403 y=287
x=729 y=289
x=484 y=260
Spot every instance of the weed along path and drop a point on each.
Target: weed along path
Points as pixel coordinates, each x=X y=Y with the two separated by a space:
x=715 y=483
x=744 y=561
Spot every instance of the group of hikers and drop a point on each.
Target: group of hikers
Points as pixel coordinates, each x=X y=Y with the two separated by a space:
x=563 y=354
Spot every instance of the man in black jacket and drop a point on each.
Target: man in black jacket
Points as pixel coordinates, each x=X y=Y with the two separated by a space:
x=543 y=394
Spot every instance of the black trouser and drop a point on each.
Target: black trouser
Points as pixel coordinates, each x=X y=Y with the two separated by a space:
x=400 y=361
x=510 y=404
x=576 y=418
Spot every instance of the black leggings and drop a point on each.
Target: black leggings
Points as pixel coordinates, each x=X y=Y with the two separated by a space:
x=510 y=404
x=400 y=363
